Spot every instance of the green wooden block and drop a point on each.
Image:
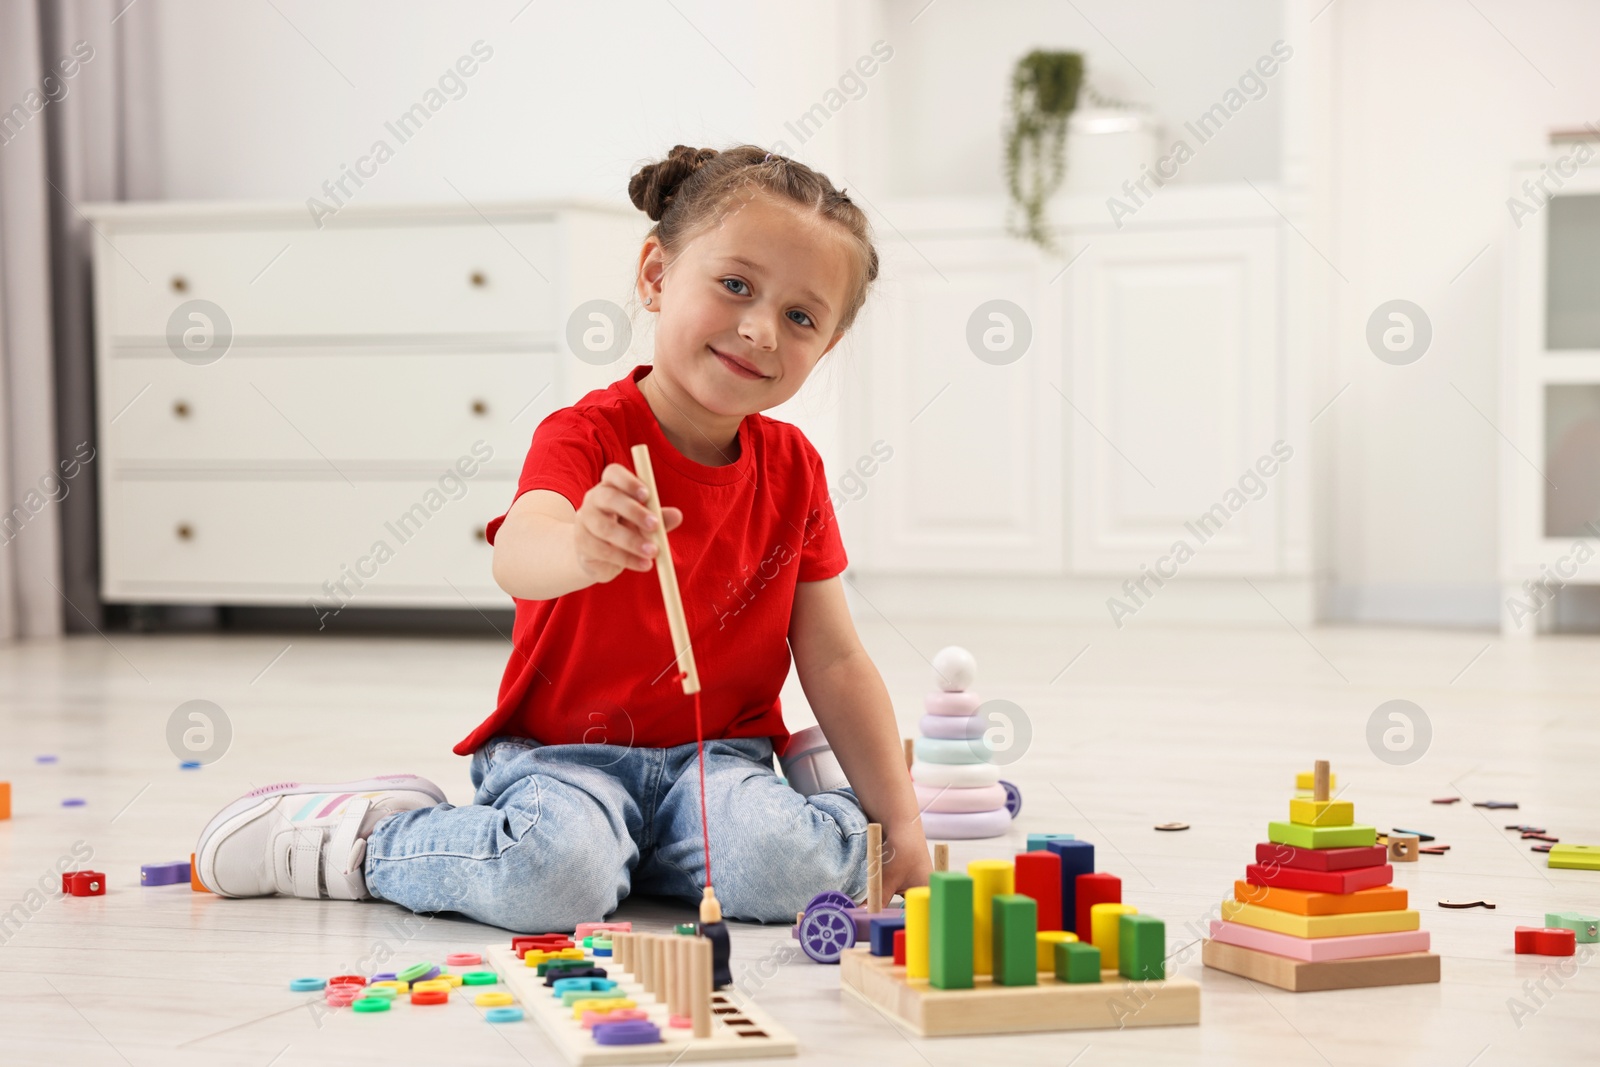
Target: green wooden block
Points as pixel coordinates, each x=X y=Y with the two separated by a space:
x=1575 y=857
x=1141 y=948
x=1587 y=927
x=1077 y=962
x=547 y=966
x=1016 y=945
x=949 y=930
x=1288 y=833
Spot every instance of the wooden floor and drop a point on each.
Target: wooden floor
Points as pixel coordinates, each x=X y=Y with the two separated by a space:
x=1148 y=726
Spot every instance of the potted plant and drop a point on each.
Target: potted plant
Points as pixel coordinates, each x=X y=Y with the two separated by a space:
x=1044 y=90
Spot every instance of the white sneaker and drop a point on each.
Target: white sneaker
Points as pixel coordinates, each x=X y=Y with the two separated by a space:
x=303 y=840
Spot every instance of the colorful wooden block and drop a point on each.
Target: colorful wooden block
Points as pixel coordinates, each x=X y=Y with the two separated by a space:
x=194 y=877
x=1300 y=902
x=1319 y=881
x=173 y=873
x=1306 y=781
x=1041 y=842
x=881 y=934
x=1077 y=962
x=1304 y=811
x=950 y=930
x=1038 y=875
x=87 y=884
x=1269 y=854
x=1403 y=847
x=5 y=800
x=1141 y=948
x=1015 y=921
x=1314 y=950
x=916 y=900
x=900 y=948
x=1090 y=889
x=1360 y=922
x=1586 y=927
x=1288 y=833
x=1077 y=857
x=1104 y=928
x=1546 y=941
x=1575 y=857
x=990 y=878
x=1300 y=977
x=1046 y=942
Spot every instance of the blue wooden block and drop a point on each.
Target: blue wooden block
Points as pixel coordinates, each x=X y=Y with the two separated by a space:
x=1077 y=857
x=882 y=931
x=1037 y=842
x=863 y=920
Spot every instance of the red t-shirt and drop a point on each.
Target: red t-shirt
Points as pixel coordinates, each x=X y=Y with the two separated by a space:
x=597 y=665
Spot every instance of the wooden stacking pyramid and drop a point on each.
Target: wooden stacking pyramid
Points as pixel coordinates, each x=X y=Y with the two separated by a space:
x=1317 y=911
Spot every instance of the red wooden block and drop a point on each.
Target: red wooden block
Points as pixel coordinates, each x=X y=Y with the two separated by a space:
x=87 y=884
x=900 y=944
x=540 y=943
x=1091 y=889
x=1545 y=941
x=1038 y=875
x=1320 y=859
x=1319 y=881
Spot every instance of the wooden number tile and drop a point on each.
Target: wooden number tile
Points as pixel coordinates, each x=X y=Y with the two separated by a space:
x=1303 y=902
x=1283 y=922
x=1319 y=881
x=1320 y=859
x=1288 y=833
x=1306 y=812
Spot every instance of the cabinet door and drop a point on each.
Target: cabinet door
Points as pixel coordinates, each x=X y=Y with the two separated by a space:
x=974 y=481
x=1174 y=355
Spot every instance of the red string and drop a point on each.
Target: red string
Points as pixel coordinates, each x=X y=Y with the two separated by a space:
x=700 y=751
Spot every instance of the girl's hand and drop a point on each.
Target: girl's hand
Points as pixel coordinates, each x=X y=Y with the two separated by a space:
x=906 y=862
x=614 y=528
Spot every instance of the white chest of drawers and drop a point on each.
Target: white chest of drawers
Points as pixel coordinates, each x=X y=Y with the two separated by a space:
x=329 y=416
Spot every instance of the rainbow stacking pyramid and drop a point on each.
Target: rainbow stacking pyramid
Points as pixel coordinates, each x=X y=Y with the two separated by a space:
x=1316 y=910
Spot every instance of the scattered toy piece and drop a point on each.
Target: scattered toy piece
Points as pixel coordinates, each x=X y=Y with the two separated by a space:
x=1576 y=857
x=503 y=1015
x=306 y=985
x=189 y=765
x=1171 y=826
x=1496 y=805
x=173 y=873
x=1587 y=927
x=1541 y=848
x=5 y=800
x=84 y=883
x=1466 y=904
x=1402 y=848
x=1527 y=829
x=1552 y=839
x=74 y=802
x=1544 y=941
x=1418 y=834
x=370 y=1003
x=44 y=759
x=1433 y=850
x=1447 y=800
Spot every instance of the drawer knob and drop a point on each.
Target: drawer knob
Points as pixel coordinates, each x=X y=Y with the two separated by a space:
x=180 y=284
x=481 y=533
x=185 y=532
x=480 y=407
x=478 y=279
x=180 y=408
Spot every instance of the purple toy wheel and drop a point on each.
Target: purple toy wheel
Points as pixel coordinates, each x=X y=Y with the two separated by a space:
x=1013 y=797
x=832 y=898
x=826 y=932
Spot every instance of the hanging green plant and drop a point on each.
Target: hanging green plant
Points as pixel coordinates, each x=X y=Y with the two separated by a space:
x=1044 y=90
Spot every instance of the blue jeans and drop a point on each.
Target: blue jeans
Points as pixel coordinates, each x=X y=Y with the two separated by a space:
x=559 y=834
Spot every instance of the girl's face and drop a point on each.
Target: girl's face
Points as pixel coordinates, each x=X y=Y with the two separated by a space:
x=749 y=306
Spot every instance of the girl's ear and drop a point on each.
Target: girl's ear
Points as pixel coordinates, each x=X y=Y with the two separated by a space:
x=652 y=269
x=837 y=336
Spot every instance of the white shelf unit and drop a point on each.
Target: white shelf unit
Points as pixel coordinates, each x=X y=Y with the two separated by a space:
x=385 y=374
x=1550 y=397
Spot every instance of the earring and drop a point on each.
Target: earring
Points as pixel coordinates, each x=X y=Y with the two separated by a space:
x=647 y=300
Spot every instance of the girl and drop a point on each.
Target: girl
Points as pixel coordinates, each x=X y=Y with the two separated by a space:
x=587 y=780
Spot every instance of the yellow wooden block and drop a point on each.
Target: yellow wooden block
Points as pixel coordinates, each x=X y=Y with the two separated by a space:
x=916 y=931
x=1104 y=922
x=600 y=1004
x=1307 y=812
x=1048 y=940
x=1306 y=781
x=989 y=879
x=1283 y=922
x=534 y=958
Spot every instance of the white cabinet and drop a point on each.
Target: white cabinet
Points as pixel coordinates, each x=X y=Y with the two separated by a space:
x=295 y=415
x=1152 y=384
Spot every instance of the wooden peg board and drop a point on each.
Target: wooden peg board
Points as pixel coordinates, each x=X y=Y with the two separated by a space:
x=739 y=1029
x=1110 y=1004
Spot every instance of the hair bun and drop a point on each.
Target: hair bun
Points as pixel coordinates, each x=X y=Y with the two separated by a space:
x=655 y=184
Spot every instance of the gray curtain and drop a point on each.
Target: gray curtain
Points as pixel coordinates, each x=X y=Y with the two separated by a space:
x=76 y=95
